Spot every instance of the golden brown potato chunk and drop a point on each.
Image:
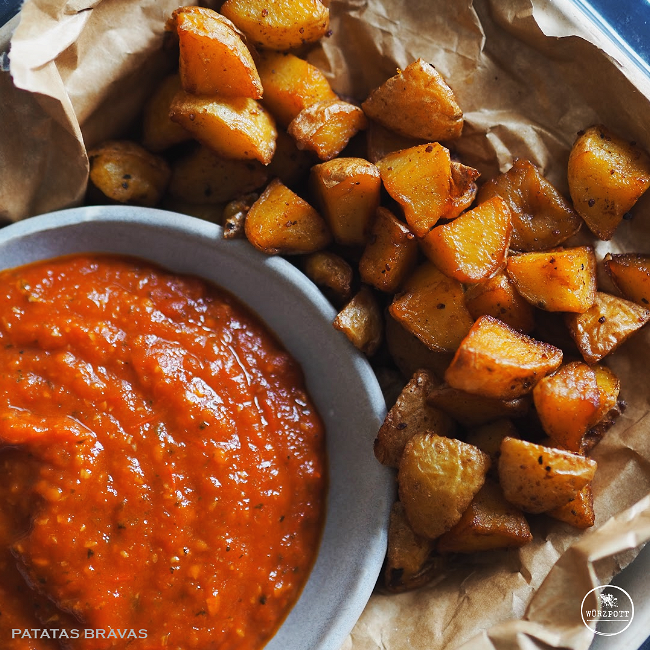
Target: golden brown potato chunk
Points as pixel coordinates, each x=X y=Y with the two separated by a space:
x=202 y=176
x=410 y=414
x=488 y=438
x=416 y=103
x=279 y=25
x=474 y=246
x=630 y=273
x=291 y=84
x=579 y=512
x=609 y=387
x=607 y=175
x=326 y=127
x=490 y=522
x=541 y=216
x=390 y=254
x=496 y=361
x=281 y=222
x=213 y=58
x=438 y=478
x=567 y=404
x=125 y=172
x=347 y=193
x=361 y=321
x=331 y=273
x=563 y=280
x=234 y=127
x=601 y=329
x=537 y=478
x=410 y=562
x=158 y=131
x=234 y=216
x=432 y=307
x=498 y=297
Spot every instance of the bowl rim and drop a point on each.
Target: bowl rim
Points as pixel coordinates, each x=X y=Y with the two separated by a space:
x=322 y=617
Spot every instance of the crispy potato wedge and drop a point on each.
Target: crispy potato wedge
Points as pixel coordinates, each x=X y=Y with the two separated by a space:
x=609 y=387
x=281 y=222
x=541 y=217
x=630 y=273
x=579 y=512
x=538 y=479
x=326 y=127
x=234 y=216
x=213 y=59
x=496 y=361
x=361 y=321
x=331 y=273
x=381 y=141
x=234 y=127
x=125 y=172
x=347 y=193
x=416 y=103
x=158 y=131
x=202 y=176
x=563 y=280
x=489 y=436
x=605 y=326
x=498 y=297
x=567 y=403
x=432 y=307
x=473 y=410
x=390 y=254
x=411 y=414
x=490 y=522
x=438 y=478
x=279 y=25
x=410 y=562
x=607 y=175
x=291 y=84
x=474 y=246
x=463 y=188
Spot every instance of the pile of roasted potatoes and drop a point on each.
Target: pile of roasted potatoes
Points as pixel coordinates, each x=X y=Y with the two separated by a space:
x=486 y=328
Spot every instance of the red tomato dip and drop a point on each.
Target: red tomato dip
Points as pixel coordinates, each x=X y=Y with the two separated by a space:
x=162 y=469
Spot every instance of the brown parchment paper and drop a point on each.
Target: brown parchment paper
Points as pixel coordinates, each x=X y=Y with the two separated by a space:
x=528 y=76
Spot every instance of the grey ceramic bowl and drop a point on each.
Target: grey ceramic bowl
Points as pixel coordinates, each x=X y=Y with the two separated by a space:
x=338 y=378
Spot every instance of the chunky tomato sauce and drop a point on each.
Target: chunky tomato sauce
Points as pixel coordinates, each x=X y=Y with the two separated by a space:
x=162 y=470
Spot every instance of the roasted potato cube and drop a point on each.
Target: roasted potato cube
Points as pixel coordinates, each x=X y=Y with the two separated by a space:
x=472 y=410
x=474 y=246
x=291 y=84
x=496 y=361
x=609 y=387
x=463 y=188
x=347 y=193
x=281 y=222
x=541 y=217
x=390 y=254
x=419 y=179
x=279 y=25
x=498 y=297
x=488 y=438
x=603 y=327
x=438 y=478
x=381 y=141
x=432 y=307
x=563 y=280
x=410 y=562
x=234 y=216
x=490 y=522
x=331 y=273
x=361 y=321
x=158 y=131
x=630 y=273
x=416 y=103
x=326 y=127
x=537 y=478
x=410 y=354
x=213 y=60
x=607 y=175
x=567 y=403
x=290 y=164
x=410 y=414
x=202 y=176
x=579 y=512
x=234 y=127
x=125 y=172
